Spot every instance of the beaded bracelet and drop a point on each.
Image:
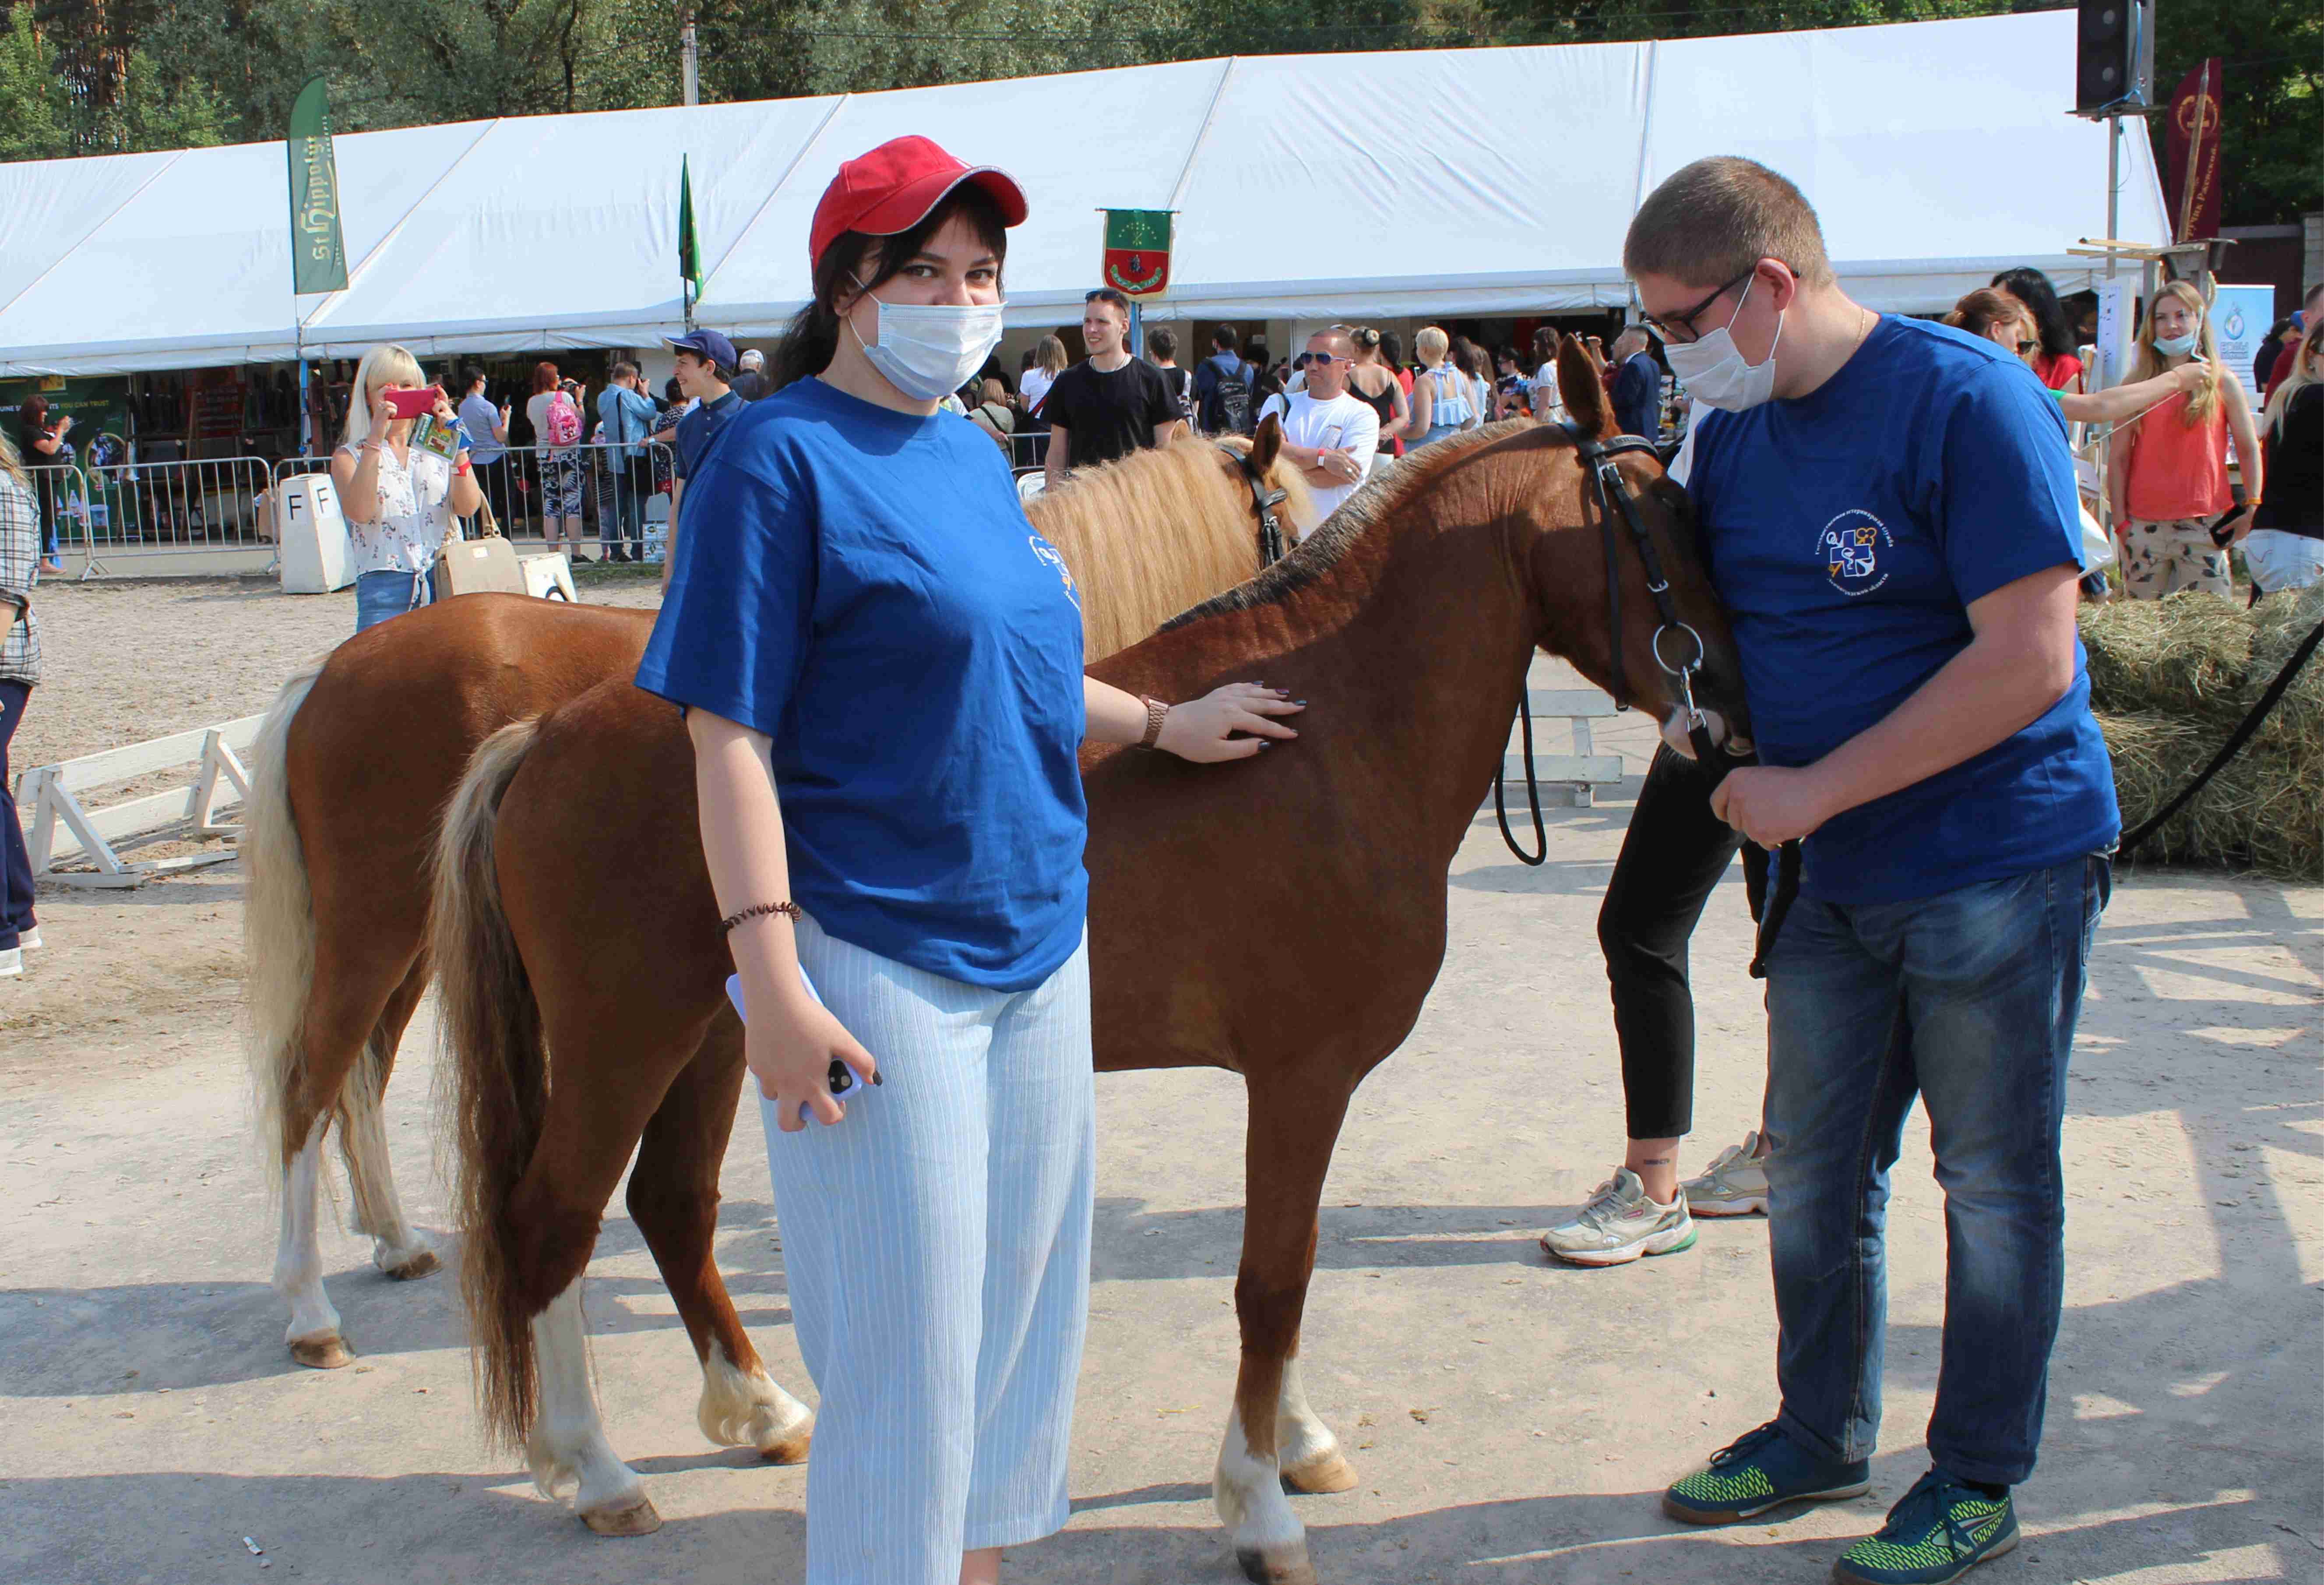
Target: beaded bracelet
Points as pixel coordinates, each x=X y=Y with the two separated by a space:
x=726 y=925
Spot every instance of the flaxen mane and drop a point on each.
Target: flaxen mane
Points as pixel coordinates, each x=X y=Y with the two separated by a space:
x=1322 y=550
x=1130 y=580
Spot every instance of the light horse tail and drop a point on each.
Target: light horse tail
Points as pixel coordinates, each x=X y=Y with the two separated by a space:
x=278 y=926
x=493 y=1087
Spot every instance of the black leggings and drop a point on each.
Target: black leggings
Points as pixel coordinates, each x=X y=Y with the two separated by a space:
x=1672 y=855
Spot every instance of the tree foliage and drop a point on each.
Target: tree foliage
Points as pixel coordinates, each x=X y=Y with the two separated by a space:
x=95 y=76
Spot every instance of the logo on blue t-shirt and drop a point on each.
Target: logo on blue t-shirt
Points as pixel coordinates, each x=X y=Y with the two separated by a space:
x=1851 y=548
x=1049 y=552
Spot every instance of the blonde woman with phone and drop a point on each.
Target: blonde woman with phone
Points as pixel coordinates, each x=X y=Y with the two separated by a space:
x=400 y=501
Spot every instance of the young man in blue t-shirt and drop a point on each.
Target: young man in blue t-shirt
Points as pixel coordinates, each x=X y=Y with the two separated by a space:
x=1889 y=511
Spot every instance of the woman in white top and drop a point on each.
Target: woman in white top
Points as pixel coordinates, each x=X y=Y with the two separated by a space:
x=1442 y=399
x=398 y=505
x=1048 y=362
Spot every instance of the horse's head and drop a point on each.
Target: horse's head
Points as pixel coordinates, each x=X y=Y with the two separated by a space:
x=1259 y=461
x=1638 y=656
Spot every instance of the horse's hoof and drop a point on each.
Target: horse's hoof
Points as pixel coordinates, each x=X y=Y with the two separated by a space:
x=423 y=1265
x=792 y=1450
x=1282 y=1568
x=1330 y=1472
x=633 y=1518
x=323 y=1351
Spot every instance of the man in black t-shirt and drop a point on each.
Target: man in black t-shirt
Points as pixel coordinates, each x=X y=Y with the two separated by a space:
x=1105 y=408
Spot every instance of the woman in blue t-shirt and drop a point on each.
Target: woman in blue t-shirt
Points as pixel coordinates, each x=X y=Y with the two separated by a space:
x=881 y=664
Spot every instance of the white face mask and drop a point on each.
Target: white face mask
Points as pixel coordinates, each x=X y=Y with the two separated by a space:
x=2177 y=346
x=928 y=350
x=1712 y=370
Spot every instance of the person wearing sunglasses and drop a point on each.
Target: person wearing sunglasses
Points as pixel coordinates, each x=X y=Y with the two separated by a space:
x=1329 y=432
x=1888 y=511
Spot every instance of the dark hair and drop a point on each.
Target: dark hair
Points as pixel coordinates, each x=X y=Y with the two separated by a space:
x=33 y=413
x=1223 y=339
x=1545 y=343
x=813 y=335
x=1256 y=352
x=544 y=376
x=1391 y=349
x=1506 y=354
x=472 y=376
x=1162 y=341
x=1985 y=308
x=1107 y=294
x=2033 y=288
x=672 y=392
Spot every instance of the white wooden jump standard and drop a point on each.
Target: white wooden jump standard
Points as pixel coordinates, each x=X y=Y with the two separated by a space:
x=57 y=826
x=1580 y=772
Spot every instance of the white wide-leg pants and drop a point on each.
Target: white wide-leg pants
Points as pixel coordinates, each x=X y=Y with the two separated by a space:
x=937 y=1246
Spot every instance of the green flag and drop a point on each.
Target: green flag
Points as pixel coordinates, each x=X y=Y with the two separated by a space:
x=689 y=249
x=1137 y=259
x=319 y=254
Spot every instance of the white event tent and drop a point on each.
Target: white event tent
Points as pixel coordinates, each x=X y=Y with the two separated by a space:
x=1935 y=153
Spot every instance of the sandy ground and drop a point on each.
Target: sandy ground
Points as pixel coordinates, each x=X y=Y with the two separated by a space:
x=1512 y=1422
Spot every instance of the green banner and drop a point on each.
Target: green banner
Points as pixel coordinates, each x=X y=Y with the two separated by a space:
x=319 y=254
x=689 y=248
x=1137 y=258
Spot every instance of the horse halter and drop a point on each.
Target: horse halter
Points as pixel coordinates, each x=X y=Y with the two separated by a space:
x=1263 y=501
x=1614 y=499
x=1772 y=894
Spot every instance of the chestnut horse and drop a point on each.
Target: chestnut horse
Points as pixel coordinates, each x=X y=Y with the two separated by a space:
x=583 y=983
x=357 y=758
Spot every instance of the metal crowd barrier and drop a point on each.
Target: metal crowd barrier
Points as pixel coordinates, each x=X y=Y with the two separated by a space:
x=60 y=491
x=633 y=494
x=138 y=509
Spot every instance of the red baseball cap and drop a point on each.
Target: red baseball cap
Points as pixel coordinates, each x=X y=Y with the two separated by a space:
x=893 y=187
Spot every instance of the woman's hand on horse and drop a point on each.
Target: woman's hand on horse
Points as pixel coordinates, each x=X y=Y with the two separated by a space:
x=790 y=1050
x=1771 y=804
x=1204 y=729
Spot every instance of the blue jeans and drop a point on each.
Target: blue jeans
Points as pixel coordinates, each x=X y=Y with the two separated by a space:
x=1968 y=999
x=381 y=595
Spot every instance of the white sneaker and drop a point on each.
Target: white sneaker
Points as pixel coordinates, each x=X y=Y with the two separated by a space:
x=12 y=962
x=1619 y=1224
x=1736 y=1184
x=29 y=939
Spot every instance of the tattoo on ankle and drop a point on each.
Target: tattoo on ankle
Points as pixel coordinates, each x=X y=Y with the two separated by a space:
x=1657 y=1161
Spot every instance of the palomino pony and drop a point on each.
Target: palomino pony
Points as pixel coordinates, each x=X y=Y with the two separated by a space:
x=583 y=984
x=357 y=758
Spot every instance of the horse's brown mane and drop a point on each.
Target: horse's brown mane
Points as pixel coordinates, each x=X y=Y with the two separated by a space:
x=1131 y=581
x=1320 y=551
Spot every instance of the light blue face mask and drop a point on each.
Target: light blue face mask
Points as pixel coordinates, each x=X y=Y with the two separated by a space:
x=2177 y=346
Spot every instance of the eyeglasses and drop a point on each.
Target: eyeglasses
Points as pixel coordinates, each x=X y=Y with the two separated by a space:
x=2025 y=346
x=1304 y=358
x=1665 y=322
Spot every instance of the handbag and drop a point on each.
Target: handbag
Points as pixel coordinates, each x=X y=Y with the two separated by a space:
x=479 y=566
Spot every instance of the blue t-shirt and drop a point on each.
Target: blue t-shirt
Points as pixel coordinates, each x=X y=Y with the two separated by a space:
x=1848 y=532
x=700 y=426
x=863 y=586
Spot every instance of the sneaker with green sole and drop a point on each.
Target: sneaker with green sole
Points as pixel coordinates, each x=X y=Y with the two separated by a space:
x=1939 y=1531
x=1620 y=1224
x=1759 y=1471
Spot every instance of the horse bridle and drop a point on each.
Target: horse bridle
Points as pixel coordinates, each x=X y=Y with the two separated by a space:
x=1264 y=500
x=1614 y=500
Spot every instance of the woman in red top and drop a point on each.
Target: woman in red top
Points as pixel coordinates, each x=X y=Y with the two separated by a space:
x=2167 y=473
x=2057 y=364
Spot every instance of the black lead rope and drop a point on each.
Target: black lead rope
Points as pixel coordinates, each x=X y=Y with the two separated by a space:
x=1540 y=855
x=2231 y=747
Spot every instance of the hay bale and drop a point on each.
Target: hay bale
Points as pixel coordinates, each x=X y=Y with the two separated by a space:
x=2169 y=680
x=2186 y=656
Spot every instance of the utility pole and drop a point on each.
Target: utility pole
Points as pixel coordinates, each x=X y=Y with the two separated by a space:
x=690 y=60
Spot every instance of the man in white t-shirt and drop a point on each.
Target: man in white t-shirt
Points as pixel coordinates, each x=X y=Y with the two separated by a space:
x=1328 y=434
